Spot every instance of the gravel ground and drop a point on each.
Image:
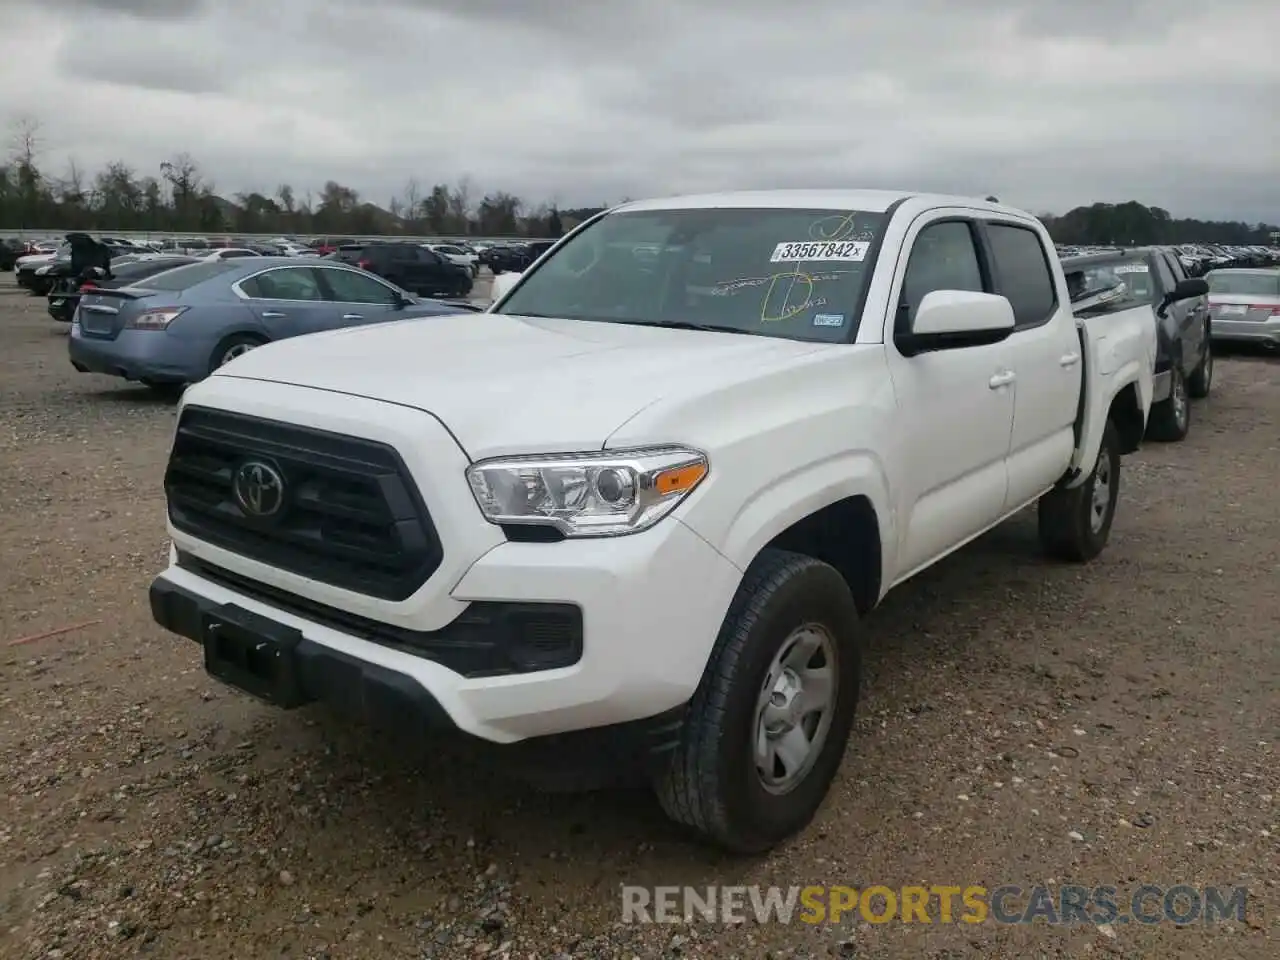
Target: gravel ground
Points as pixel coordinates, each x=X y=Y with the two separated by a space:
x=1023 y=722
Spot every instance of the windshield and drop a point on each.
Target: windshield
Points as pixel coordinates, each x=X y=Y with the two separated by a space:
x=1120 y=283
x=773 y=272
x=1245 y=284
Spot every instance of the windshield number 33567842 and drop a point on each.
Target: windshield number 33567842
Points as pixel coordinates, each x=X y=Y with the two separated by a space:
x=849 y=251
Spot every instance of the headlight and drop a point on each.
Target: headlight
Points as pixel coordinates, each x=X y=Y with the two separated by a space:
x=154 y=319
x=588 y=495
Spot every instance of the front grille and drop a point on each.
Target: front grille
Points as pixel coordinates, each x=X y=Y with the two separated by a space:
x=350 y=514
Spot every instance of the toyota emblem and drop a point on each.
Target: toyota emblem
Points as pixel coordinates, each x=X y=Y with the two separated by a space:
x=258 y=489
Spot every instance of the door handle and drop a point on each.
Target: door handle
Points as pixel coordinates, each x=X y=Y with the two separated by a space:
x=272 y=315
x=1069 y=359
x=1002 y=379
x=353 y=316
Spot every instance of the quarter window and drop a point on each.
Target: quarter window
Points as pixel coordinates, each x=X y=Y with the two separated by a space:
x=348 y=286
x=1024 y=274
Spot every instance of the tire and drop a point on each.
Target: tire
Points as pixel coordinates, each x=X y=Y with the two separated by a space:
x=1074 y=524
x=231 y=347
x=786 y=601
x=1201 y=380
x=1171 y=418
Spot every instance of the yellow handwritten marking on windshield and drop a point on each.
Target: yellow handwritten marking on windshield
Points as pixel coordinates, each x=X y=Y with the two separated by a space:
x=840 y=226
x=789 y=306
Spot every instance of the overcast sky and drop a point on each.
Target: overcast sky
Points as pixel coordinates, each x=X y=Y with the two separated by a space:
x=1047 y=103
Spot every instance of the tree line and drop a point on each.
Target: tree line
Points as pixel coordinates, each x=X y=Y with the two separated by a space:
x=182 y=197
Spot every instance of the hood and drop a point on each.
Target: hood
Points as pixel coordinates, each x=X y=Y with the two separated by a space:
x=35 y=259
x=505 y=384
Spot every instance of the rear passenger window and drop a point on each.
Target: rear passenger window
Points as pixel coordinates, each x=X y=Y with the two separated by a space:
x=289 y=283
x=943 y=257
x=1023 y=271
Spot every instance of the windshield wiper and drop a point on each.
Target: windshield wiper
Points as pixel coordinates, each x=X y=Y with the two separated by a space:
x=687 y=325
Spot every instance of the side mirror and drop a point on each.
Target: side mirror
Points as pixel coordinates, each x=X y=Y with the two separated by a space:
x=502 y=285
x=1187 y=289
x=952 y=319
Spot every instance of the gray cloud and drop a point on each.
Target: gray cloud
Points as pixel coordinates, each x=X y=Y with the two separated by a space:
x=1046 y=103
x=139 y=9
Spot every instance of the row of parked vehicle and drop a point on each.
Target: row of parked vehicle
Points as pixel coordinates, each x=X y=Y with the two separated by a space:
x=1199 y=258
x=1239 y=304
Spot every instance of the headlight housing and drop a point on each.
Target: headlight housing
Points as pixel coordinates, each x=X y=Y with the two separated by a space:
x=587 y=495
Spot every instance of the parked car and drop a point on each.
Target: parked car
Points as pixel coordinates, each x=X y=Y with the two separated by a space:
x=177 y=327
x=809 y=398
x=1245 y=305
x=1106 y=283
x=506 y=258
x=411 y=266
x=125 y=271
x=49 y=275
x=457 y=254
x=27 y=268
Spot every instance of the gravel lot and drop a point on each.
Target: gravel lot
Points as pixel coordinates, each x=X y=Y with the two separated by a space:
x=1023 y=722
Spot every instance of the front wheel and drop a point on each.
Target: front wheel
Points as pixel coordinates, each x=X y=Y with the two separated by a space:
x=1075 y=522
x=768 y=724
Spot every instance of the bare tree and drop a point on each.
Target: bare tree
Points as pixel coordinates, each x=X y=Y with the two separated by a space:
x=412 y=202
x=460 y=205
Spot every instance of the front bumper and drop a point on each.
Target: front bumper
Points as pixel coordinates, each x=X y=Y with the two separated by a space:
x=1248 y=331
x=141 y=355
x=651 y=603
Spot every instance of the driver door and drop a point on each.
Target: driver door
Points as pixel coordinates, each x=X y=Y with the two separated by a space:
x=954 y=406
x=355 y=298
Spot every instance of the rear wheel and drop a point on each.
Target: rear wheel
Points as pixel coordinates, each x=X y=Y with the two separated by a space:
x=1171 y=418
x=231 y=347
x=1075 y=522
x=767 y=727
x=1201 y=380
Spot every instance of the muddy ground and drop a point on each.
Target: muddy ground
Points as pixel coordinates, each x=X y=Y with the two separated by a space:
x=1023 y=722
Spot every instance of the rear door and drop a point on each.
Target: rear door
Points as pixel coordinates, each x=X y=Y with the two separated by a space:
x=1044 y=354
x=288 y=301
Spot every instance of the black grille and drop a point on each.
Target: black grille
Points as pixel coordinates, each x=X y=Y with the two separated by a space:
x=351 y=517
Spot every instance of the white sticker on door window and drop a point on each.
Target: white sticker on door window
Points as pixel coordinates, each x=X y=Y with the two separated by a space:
x=806 y=251
x=1130 y=268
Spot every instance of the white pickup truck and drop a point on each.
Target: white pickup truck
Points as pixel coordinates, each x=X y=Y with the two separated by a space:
x=639 y=507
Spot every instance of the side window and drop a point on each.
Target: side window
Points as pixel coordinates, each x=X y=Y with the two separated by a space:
x=429 y=256
x=943 y=257
x=1175 y=265
x=1164 y=273
x=1024 y=274
x=289 y=283
x=347 y=286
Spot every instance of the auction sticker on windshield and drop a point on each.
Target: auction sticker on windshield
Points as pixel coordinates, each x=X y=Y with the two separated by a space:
x=848 y=251
x=1130 y=268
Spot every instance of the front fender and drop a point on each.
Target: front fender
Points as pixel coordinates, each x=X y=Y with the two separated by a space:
x=1118 y=351
x=741 y=533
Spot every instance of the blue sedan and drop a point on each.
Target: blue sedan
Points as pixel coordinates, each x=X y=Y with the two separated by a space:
x=176 y=328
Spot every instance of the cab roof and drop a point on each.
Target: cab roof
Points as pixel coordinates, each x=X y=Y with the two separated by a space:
x=869 y=201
